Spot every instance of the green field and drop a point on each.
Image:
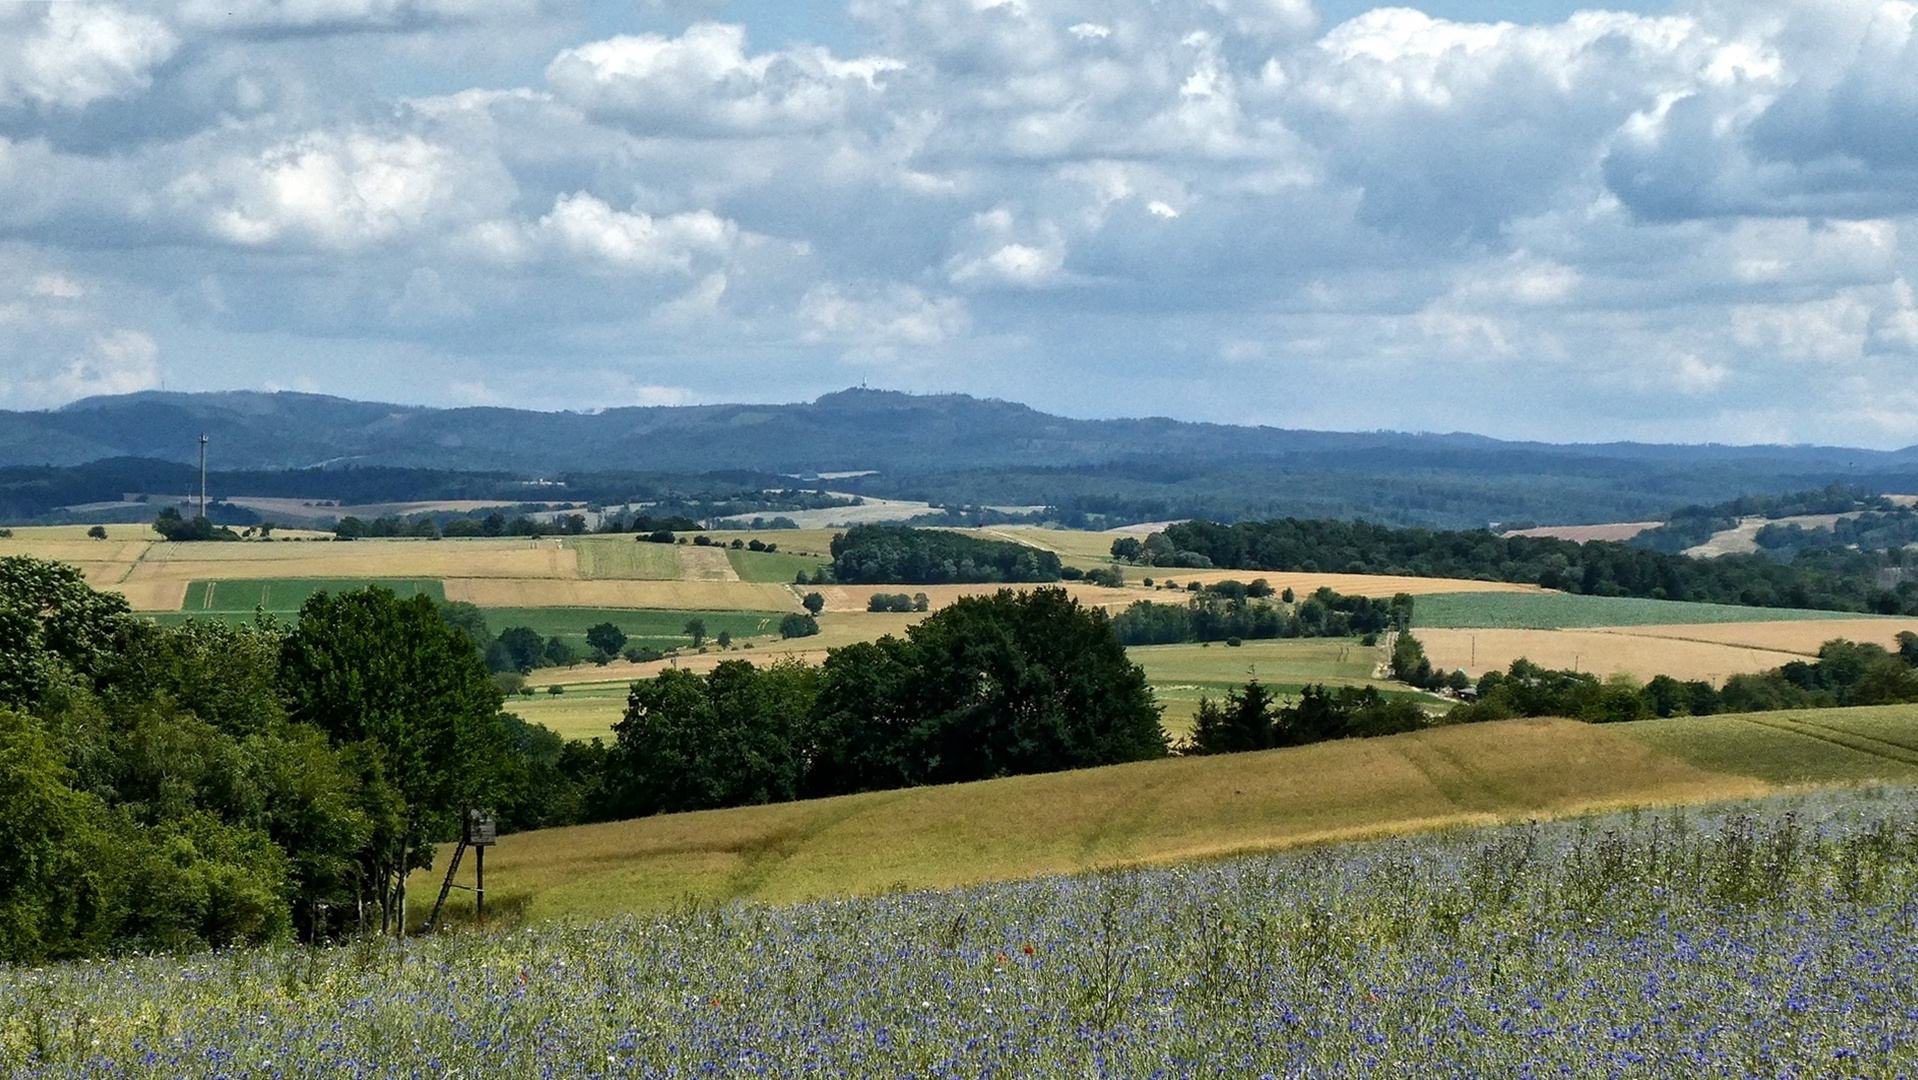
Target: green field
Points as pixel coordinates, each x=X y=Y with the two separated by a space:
x=582 y=712
x=777 y=567
x=1565 y=611
x=1801 y=746
x=622 y=558
x=1191 y=807
x=283 y=596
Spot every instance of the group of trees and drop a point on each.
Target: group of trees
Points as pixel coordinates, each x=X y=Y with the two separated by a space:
x=1231 y=609
x=1251 y=718
x=172 y=526
x=173 y=787
x=988 y=686
x=898 y=602
x=1834 y=579
x=898 y=555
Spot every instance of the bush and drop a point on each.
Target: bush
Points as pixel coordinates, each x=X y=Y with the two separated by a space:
x=798 y=626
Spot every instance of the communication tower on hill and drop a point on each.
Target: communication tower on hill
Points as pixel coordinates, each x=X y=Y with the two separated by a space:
x=202 y=474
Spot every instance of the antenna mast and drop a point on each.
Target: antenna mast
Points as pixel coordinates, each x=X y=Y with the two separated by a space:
x=203 y=474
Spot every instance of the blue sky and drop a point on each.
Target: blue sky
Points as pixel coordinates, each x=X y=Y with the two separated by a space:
x=1686 y=221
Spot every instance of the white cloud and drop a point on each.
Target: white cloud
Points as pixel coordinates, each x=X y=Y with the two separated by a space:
x=582 y=225
x=704 y=79
x=340 y=191
x=78 y=54
x=896 y=315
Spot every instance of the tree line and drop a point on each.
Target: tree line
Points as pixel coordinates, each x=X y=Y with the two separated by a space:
x=1233 y=610
x=1826 y=578
x=898 y=555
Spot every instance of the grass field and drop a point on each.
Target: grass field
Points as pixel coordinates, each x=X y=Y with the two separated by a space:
x=583 y=712
x=778 y=567
x=1538 y=610
x=283 y=596
x=1143 y=813
x=1601 y=652
x=620 y=557
x=1800 y=746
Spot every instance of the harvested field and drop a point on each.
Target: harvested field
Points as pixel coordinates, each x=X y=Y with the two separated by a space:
x=366 y=559
x=621 y=558
x=1128 y=814
x=151 y=595
x=1541 y=610
x=704 y=564
x=1601 y=652
x=1801 y=637
x=1619 y=531
x=675 y=595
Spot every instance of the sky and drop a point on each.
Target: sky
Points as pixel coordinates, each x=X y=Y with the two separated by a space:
x=1681 y=221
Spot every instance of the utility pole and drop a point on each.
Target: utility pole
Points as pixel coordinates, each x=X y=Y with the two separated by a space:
x=203 y=474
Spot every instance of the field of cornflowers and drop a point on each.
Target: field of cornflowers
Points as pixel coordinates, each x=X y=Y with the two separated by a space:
x=1767 y=939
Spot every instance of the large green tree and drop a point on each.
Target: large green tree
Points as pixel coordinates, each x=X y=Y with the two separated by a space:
x=727 y=738
x=1025 y=682
x=393 y=679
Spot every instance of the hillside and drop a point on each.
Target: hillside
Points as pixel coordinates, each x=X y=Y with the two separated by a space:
x=955 y=450
x=1183 y=808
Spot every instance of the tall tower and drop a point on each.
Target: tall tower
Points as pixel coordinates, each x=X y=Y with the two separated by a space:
x=202 y=474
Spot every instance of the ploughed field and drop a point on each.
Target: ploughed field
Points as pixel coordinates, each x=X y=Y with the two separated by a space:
x=1758 y=938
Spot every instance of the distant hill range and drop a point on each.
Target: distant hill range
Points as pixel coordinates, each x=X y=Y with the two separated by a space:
x=954 y=450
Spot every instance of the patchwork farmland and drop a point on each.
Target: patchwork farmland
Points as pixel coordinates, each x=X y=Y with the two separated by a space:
x=561 y=586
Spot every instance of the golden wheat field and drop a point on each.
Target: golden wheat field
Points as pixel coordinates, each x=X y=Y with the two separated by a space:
x=1120 y=815
x=1802 y=637
x=1602 y=652
x=1709 y=651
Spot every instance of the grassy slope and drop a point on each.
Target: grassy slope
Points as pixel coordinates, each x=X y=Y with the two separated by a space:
x=1182 y=808
x=1553 y=611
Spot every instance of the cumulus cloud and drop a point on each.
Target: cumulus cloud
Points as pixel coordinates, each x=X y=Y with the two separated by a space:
x=1698 y=223
x=338 y=190
x=75 y=54
x=704 y=79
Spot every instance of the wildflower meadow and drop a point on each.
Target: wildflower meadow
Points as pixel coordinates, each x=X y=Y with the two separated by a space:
x=1764 y=939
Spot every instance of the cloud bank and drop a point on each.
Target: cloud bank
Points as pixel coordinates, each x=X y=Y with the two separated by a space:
x=1684 y=226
